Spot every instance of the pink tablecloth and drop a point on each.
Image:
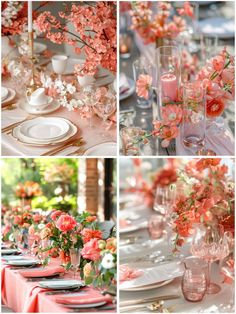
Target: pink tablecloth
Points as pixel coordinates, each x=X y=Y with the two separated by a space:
x=26 y=297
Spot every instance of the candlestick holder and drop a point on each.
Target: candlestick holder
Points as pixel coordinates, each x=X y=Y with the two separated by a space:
x=168 y=74
x=32 y=84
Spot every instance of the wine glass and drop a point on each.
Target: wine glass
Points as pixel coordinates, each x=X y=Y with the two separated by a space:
x=59 y=63
x=75 y=256
x=45 y=245
x=209 y=244
x=105 y=110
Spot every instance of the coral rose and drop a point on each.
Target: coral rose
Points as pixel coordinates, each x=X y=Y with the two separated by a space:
x=56 y=214
x=143 y=85
x=91 y=250
x=66 y=223
x=89 y=234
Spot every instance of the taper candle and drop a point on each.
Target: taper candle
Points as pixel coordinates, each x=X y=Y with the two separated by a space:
x=30 y=22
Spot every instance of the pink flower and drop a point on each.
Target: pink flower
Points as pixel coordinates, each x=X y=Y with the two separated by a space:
x=186 y=10
x=168 y=133
x=91 y=250
x=171 y=114
x=218 y=63
x=66 y=223
x=143 y=85
x=88 y=234
x=215 y=107
x=56 y=214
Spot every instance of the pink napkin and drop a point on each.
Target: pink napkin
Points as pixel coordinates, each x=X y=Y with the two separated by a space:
x=127 y=273
x=42 y=271
x=124 y=223
x=92 y=296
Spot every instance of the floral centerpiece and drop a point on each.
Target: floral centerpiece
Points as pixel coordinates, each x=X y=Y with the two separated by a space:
x=28 y=190
x=154 y=28
x=208 y=198
x=98 y=263
x=94 y=33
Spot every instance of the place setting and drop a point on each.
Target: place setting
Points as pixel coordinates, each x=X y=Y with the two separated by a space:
x=176 y=263
x=38 y=81
x=165 y=71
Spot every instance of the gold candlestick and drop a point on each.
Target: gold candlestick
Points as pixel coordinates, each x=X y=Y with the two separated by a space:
x=32 y=85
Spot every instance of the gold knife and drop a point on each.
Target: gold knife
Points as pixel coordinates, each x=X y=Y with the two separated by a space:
x=141 y=301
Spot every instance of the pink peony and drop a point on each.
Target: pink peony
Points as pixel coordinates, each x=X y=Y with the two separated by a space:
x=66 y=223
x=56 y=214
x=91 y=250
x=143 y=85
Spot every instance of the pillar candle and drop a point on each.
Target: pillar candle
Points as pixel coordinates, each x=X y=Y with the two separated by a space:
x=30 y=22
x=169 y=86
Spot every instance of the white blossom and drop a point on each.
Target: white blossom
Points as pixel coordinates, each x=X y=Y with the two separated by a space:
x=108 y=261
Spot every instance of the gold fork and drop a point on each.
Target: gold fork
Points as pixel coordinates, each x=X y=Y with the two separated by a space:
x=10 y=127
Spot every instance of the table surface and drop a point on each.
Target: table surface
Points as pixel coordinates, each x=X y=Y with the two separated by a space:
x=210 y=303
x=144 y=118
x=92 y=135
x=27 y=297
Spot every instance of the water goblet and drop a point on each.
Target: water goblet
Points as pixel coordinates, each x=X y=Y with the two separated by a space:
x=59 y=63
x=105 y=110
x=75 y=257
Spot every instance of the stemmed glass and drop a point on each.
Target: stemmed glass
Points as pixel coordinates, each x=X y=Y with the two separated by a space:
x=209 y=244
x=105 y=110
x=75 y=256
x=59 y=63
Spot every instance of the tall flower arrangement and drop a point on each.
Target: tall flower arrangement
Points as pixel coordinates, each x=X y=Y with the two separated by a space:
x=28 y=190
x=94 y=33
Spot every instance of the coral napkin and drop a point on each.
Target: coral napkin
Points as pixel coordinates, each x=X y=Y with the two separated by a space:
x=92 y=296
x=124 y=223
x=127 y=273
x=41 y=272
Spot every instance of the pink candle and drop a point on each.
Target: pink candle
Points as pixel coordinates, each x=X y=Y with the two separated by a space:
x=169 y=86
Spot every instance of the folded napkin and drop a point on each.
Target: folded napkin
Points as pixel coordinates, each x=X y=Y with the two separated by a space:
x=42 y=272
x=124 y=83
x=92 y=296
x=127 y=273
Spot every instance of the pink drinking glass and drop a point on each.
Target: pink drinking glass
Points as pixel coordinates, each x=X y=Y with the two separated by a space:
x=156 y=226
x=194 y=280
x=208 y=244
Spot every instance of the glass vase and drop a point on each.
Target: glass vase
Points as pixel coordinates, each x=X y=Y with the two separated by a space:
x=194 y=116
x=168 y=74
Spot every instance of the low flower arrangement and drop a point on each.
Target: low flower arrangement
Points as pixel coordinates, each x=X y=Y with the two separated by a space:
x=218 y=80
x=208 y=198
x=28 y=190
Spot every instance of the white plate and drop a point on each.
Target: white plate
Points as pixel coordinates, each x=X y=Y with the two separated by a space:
x=23 y=262
x=4 y=93
x=19 y=137
x=12 y=257
x=71 y=62
x=10 y=97
x=222 y=27
x=60 y=284
x=84 y=306
x=129 y=92
x=9 y=251
x=49 y=109
x=103 y=149
x=39 y=47
x=154 y=275
x=149 y=287
x=44 y=129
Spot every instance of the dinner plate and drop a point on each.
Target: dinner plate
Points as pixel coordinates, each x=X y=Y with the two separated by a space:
x=149 y=287
x=11 y=95
x=222 y=27
x=133 y=227
x=23 y=262
x=4 y=93
x=12 y=257
x=103 y=149
x=84 y=306
x=24 y=140
x=44 y=129
x=39 y=47
x=60 y=284
x=154 y=275
x=130 y=91
x=49 y=109
x=9 y=251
